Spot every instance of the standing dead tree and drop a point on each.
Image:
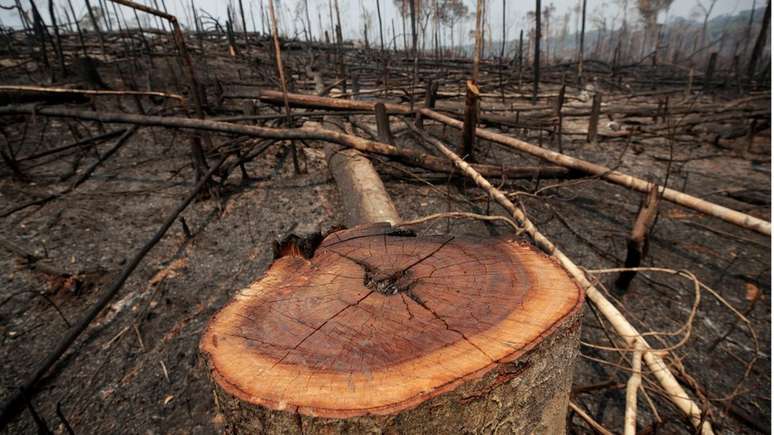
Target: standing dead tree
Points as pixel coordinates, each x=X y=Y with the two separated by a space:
x=197 y=152
x=472 y=92
x=637 y=244
x=649 y=10
x=581 y=43
x=760 y=42
x=283 y=82
x=536 y=59
x=414 y=50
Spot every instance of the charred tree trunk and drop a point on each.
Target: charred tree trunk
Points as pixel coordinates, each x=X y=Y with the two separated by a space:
x=57 y=37
x=431 y=91
x=710 y=73
x=596 y=106
x=637 y=245
x=470 y=121
x=244 y=23
x=383 y=124
x=559 y=117
x=760 y=43
x=582 y=38
x=536 y=61
x=414 y=52
x=521 y=56
x=381 y=29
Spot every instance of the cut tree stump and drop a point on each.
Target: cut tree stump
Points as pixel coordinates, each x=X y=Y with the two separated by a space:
x=384 y=332
x=374 y=330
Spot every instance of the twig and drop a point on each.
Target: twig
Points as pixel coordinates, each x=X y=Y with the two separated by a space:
x=461 y=215
x=45 y=90
x=587 y=418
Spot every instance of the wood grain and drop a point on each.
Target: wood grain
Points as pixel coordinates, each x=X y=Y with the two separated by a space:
x=375 y=323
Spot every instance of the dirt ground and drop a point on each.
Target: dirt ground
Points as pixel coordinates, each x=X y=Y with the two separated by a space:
x=137 y=368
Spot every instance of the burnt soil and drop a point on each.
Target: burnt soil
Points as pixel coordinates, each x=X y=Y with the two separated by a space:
x=137 y=368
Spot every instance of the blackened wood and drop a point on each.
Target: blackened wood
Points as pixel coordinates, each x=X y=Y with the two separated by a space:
x=710 y=73
x=596 y=105
x=536 y=62
x=381 y=31
x=582 y=37
x=559 y=120
x=760 y=43
x=244 y=22
x=383 y=124
x=87 y=141
x=637 y=244
x=431 y=93
x=58 y=39
x=470 y=121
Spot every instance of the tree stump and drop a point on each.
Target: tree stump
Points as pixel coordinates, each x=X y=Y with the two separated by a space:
x=384 y=332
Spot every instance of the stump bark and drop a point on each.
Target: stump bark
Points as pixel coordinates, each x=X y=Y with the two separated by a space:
x=384 y=332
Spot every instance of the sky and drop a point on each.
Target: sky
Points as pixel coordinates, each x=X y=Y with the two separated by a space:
x=352 y=12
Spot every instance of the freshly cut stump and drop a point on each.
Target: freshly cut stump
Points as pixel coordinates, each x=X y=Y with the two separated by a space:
x=381 y=331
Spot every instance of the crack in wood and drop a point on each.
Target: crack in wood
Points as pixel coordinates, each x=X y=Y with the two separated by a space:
x=322 y=325
x=414 y=297
x=393 y=283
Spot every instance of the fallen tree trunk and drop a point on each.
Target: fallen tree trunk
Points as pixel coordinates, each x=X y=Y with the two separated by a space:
x=315 y=102
x=362 y=191
x=737 y=218
x=66 y=95
x=407 y=156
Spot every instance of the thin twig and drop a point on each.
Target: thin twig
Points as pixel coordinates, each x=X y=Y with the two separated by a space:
x=462 y=215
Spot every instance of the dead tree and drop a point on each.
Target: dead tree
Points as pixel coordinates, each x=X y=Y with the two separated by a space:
x=596 y=105
x=414 y=52
x=637 y=244
x=308 y=21
x=471 y=120
x=580 y=46
x=244 y=22
x=760 y=43
x=559 y=115
x=536 y=60
x=57 y=37
x=381 y=30
x=710 y=73
x=384 y=134
x=521 y=57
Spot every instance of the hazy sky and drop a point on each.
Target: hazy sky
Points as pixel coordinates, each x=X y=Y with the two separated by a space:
x=352 y=12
